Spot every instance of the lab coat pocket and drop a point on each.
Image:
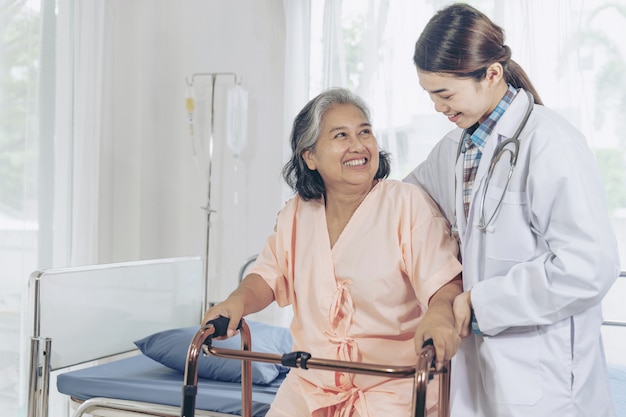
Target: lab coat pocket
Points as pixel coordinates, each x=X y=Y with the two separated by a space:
x=508 y=237
x=510 y=367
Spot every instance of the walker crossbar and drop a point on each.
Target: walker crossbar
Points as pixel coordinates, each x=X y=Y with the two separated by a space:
x=420 y=373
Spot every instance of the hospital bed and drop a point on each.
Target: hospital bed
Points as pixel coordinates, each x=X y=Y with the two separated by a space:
x=86 y=321
x=90 y=325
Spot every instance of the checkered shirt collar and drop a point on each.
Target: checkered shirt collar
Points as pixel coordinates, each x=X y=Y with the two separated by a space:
x=478 y=135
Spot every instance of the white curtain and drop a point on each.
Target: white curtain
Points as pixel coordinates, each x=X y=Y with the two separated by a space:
x=297 y=57
x=88 y=72
x=376 y=19
x=334 y=50
x=545 y=39
x=297 y=66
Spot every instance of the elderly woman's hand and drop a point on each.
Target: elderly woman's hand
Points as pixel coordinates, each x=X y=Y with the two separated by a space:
x=438 y=324
x=252 y=295
x=231 y=308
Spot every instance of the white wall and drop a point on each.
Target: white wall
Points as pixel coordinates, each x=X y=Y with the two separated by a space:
x=151 y=190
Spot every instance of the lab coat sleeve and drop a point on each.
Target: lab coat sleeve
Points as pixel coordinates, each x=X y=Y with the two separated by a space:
x=436 y=173
x=575 y=260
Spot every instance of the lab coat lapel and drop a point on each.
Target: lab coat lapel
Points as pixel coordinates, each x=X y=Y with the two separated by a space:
x=504 y=129
x=461 y=221
x=469 y=225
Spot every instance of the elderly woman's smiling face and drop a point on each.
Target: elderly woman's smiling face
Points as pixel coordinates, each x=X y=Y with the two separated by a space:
x=346 y=151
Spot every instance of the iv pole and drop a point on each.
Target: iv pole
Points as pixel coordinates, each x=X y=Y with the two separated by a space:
x=208 y=208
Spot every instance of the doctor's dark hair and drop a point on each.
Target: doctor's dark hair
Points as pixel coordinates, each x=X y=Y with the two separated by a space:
x=462 y=41
x=304 y=134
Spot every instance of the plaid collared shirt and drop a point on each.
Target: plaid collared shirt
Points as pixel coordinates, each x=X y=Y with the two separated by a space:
x=474 y=141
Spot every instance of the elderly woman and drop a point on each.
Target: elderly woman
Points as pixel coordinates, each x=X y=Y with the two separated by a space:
x=367 y=264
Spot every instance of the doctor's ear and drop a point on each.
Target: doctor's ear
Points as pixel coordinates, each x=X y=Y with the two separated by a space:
x=494 y=73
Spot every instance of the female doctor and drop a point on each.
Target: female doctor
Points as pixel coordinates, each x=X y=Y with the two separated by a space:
x=537 y=246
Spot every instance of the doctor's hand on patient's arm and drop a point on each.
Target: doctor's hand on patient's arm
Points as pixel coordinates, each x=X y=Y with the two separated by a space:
x=252 y=295
x=462 y=308
x=438 y=323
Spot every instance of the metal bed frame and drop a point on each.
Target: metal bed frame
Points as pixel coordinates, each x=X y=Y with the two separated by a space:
x=56 y=295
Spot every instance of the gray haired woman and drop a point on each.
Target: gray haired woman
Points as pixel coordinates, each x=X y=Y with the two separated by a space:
x=367 y=264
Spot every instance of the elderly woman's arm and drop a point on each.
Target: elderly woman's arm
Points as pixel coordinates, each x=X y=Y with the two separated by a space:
x=253 y=294
x=438 y=323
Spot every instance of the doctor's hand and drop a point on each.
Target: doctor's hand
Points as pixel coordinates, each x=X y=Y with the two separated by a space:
x=462 y=308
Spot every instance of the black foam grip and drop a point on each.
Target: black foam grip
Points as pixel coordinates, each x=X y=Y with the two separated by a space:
x=221 y=326
x=429 y=342
x=291 y=359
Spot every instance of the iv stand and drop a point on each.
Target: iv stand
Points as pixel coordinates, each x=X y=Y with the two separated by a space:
x=208 y=208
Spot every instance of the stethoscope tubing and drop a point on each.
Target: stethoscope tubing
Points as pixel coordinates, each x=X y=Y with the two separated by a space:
x=482 y=224
x=500 y=150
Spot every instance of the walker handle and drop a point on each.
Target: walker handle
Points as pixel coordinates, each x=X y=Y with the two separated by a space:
x=190 y=387
x=221 y=326
x=429 y=342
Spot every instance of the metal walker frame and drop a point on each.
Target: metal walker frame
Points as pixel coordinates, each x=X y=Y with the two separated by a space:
x=202 y=342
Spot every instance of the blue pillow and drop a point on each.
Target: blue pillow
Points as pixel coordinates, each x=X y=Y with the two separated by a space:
x=170 y=347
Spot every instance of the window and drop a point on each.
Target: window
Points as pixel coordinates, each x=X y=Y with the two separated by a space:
x=19 y=222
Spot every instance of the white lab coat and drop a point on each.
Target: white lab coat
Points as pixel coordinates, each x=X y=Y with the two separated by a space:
x=537 y=275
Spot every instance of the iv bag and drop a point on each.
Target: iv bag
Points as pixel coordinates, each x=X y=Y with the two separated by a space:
x=236 y=118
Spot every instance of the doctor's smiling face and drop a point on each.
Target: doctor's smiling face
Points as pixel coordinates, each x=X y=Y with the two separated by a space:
x=346 y=151
x=464 y=101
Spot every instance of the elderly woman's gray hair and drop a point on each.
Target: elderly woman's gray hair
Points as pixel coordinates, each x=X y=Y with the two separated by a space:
x=304 y=134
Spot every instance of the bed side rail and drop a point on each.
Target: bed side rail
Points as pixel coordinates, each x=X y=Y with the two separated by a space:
x=127 y=301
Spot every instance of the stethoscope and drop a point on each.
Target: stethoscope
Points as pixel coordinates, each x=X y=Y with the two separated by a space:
x=508 y=147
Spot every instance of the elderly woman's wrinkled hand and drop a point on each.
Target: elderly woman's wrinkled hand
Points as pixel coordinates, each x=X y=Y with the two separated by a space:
x=229 y=308
x=438 y=324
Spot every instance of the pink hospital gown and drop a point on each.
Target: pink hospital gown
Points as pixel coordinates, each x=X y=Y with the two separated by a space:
x=360 y=300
